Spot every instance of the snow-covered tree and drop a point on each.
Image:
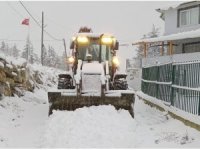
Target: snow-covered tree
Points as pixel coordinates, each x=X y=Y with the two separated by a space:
x=152 y=51
x=35 y=58
x=154 y=32
x=140 y=49
x=52 y=57
x=15 y=51
x=63 y=62
x=7 y=50
x=3 y=46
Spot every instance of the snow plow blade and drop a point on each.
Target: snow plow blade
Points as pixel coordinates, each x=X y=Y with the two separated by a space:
x=57 y=101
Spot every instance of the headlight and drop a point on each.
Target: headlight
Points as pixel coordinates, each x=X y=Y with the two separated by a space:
x=82 y=39
x=71 y=60
x=106 y=40
x=115 y=60
x=73 y=38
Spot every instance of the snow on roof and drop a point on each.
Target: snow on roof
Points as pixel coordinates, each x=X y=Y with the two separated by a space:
x=93 y=34
x=175 y=6
x=172 y=37
x=169 y=7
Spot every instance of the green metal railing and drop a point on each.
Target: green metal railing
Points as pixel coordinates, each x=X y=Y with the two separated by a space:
x=177 y=84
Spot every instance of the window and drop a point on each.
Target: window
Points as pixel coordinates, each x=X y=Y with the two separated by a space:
x=93 y=49
x=189 y=16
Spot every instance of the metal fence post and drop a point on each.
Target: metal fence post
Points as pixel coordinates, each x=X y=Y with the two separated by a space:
x=199 y=107
x=157 y=78
x=172 y=89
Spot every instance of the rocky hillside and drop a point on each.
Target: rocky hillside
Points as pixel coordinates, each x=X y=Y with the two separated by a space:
x=16 y=76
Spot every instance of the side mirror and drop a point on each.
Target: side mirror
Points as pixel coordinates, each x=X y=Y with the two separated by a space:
x=116 y=47
x=72 y=45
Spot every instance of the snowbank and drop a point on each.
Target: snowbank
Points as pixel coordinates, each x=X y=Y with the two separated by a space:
x=168 y=107
x=93 y=127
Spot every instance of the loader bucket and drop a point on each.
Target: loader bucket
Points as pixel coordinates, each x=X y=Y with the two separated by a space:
x=57 y=101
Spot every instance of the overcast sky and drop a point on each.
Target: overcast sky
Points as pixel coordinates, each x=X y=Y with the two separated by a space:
x=128 y=21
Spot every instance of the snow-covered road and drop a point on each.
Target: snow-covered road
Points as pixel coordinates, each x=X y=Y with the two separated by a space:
x=25 y=124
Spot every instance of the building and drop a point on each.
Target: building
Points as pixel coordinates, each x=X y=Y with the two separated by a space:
x=174 y=79
x=182 y=30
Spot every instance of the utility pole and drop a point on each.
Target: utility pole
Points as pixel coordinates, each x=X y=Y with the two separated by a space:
x=67 y=65
x=65 y=47
x=42 y=39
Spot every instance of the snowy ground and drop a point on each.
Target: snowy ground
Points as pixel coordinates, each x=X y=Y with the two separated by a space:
x=25 y=124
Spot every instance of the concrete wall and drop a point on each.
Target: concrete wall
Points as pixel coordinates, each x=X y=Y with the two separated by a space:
x=134 y=78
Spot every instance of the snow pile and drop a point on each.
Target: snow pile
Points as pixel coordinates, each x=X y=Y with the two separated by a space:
x=168 y=107
x=48 y=76
x=13 y=60
x=93 y=127
x=157 y=129
x=104 y=127
x=22 y=120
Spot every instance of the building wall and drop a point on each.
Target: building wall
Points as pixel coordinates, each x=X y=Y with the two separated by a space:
x=171 y=17
x=188 y=49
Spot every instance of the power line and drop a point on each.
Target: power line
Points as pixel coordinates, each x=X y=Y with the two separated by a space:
x=51 y=36
x=38 y=23
x=14 y=9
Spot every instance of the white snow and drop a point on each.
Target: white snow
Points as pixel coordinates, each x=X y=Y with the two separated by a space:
x=25 y=124
x=157 y=82
x=9 y=66
x=186 y=88
x=168 y=107
x=172 y=37
x=16 y=61
x=93 y=68
x=94 y=127
x=1 y=65
x=14 y=74
x=97 y=35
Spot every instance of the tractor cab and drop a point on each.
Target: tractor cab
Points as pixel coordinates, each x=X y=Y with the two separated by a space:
x=99 y=48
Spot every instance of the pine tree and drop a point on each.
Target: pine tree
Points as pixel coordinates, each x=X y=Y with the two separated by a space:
x=52 y=57
x=140 y=49
x=154 y=32
x=35 y=58
x=7 y=49
x=63 y=62
x=15 y=51
x=152 y=51
x=3 y=46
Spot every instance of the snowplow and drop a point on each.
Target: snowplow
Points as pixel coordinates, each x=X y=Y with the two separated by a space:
x=92 y=79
